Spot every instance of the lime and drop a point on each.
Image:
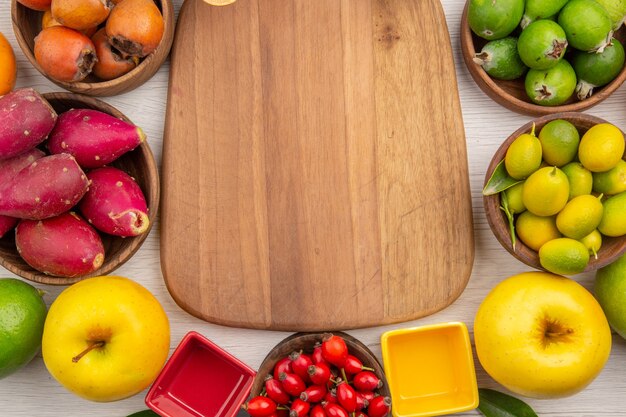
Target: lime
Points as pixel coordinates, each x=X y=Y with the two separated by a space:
x=542 y=44
x=579 y=178
x=610 y=291
x=596 y=70
x=501 y=60
x=613 y=221
x=540 y=9
x=534 y=230
x=580 y=216
x=523 y=156
x=494 y=19
x=514 y=198
x=612 y=181
x=546 y=191
x=564 y=256
x=587 y=25
x=559 y=142
x=593 y=242
x=22 y=315
x=551 y=87
x=601 y=147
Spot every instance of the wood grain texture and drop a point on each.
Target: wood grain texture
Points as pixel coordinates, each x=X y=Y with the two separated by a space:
x=314 y=165
x=512 y=94
x=33 y=392
x=612 y=247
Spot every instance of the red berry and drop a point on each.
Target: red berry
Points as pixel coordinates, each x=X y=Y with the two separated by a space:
x=317 y=411
x=353 y=365
x=346 y=396
x=299 y=408
x=292 y=383
x=300 y=363
x=334 y=350
x=361 y=402
x=319 y=374
x=313 y=394
x=275 y=390
x=283 y=365
x=367 y=395
x=366 y=381
x=334 y=410
x=379 y=407
x=317 y=356
x=260 y=407
x=331 y=396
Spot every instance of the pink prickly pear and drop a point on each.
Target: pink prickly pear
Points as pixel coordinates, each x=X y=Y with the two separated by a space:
x=26 y=119
x=94 y=138
x=64 y=245
x=48 y=187
x=114 y=203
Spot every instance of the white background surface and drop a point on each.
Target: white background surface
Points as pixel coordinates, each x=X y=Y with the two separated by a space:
x=32 y=391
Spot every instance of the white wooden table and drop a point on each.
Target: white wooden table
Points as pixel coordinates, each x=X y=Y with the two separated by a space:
x=32 y=392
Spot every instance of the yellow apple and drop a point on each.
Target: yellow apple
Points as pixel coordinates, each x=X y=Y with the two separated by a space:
x=541 y=335
x=105 y=338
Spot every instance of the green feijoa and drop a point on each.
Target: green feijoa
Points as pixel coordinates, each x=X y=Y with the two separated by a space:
x=616 y=10
x=540 y=9
x=587 y=25
x=551 y=87
x=596 y=70
x=500 y=59
x=494 y=19
x=542 y=44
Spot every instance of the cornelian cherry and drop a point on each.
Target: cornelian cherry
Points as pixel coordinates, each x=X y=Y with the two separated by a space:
x=334 y=350
x=260 y=407
x=366 y=381
x=283 y=365
x=317 y=411
x=331 y=396
x=346 y=396
x=299 y=408
x=334 y=410
x=292 y=383
x=275 y=390
x=367 y=395
x=319 y=373
x=361 y=402
x=300 y=363
x=354 y=365
x=379 y=407
x=313 y=394
x=317 y=356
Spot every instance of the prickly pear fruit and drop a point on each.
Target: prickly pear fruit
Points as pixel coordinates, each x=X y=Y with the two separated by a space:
x=26 y=119
x=48 y=187
x=94 y=138
x=65 y=245
x=114 y=203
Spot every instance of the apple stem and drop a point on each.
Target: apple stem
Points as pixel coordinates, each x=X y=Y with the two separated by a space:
x=92 y=346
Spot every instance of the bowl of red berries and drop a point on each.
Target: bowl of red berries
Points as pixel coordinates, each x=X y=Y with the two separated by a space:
x=320 y=375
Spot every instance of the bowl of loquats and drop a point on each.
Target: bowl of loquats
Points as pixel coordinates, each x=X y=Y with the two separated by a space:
x=71 y=208
x=545 y=68
x=555 y=193
x=97 y=48
x=319 y=374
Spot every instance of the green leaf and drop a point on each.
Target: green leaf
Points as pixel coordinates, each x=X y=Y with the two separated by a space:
x=144 y=413
x=499 y=181
x=497 y=404
x=509 y=215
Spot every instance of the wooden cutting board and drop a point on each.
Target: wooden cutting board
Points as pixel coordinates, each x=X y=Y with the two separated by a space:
x=314 y=164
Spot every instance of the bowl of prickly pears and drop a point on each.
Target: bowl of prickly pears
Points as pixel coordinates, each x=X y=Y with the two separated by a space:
x=320 y=374
x=97 y=48
x=555 y=193
x=79 y=187
x=542 y=57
